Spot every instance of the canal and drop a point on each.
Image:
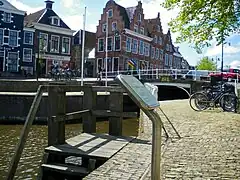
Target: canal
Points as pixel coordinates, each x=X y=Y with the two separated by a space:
x=32 y=155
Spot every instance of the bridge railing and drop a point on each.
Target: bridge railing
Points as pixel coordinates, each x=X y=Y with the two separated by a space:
x=173 y=73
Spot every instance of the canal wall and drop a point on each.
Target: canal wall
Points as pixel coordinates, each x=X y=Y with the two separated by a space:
x=15 y=106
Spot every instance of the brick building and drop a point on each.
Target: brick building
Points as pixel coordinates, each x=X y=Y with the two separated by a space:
x=133 y=38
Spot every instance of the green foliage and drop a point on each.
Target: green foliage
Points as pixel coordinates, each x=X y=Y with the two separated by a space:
x=200 y=21
x=206 y=64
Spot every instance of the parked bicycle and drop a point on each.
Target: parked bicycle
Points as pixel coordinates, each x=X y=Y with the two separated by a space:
x=221 y=95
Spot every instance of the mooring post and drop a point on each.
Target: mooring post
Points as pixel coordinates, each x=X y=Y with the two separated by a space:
x=57 y=112
x=89 y=103
x=116 y=105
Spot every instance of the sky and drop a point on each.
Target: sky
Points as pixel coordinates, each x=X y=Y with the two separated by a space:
x=71 y=12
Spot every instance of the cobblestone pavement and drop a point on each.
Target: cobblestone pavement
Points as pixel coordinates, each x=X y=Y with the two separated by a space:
x=209 y=148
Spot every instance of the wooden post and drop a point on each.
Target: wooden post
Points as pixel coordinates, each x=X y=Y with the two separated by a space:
x=89 y=102
x=238 y=106
x=116 y=105
x=57 y=107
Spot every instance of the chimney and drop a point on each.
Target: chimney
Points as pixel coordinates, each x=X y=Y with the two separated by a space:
x=158 y=15
x=139 y=3
x=49 y=4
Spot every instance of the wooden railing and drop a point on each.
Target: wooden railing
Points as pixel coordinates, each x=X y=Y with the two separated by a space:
x=57 y=115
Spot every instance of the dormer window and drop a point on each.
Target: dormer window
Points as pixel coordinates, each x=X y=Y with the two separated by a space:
x=110 y=13
x=7 y=17
x=55 y=21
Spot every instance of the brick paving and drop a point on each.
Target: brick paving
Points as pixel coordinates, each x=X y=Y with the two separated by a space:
x=209 y=148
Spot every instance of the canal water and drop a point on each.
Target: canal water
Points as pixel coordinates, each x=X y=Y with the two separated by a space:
x=32 y=155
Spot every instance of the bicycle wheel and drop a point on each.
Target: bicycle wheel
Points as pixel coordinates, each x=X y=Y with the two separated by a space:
x=228 y=102
x=199 y=101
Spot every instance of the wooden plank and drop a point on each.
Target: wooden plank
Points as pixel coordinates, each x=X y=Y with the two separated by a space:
x=116 y=105
x=66 y=169
x=73 y=115
x=108 y=113
x=107 y=89
x=100 y=146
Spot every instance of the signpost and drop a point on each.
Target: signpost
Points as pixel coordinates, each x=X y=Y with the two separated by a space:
x=148 y=103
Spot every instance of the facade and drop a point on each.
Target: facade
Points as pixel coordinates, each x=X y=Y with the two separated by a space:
x=76 y=54
x=177 y=58
x=133 y=42
x=52 y=38
x=11 y=38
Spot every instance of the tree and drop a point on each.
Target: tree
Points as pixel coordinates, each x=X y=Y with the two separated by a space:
x=206 y=64
x=201 y=21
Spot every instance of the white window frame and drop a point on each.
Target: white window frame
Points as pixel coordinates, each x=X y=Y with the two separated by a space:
x=155 y=39
x=10 y=63
x=139 y=17
x=159 y=40
x=153 y=52
x=110 y=37
x=25 y=37
x=51 y=49
x=140 y=47
x=40 y=35
x=52 y=21
x=129 y=38
x=136 y=52
x=108 y=13
x=98 y=44
x=156 y=53
x=170 y=60
x=69 y=46
x=115 y=43
x=142 y=30
x=24 y=56
x=135 y=28
x=10 y=36
x=114 y=22
x=104 y=25
x=147 y=53
x=166 y=59
x=4 y=17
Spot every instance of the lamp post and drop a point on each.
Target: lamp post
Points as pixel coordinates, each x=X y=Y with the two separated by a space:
x=37 y=61
x=83 y=45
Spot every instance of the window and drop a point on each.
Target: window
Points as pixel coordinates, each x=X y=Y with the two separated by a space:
x=167 y=47
x=139 y=17
x=104 y=27
x=28 y=37
x=153 y=53
x=55 y=43
x=13 y=38
x=157 y=54
x=100 y=45
x=142 y=30
x=128 y=44
x=109 y=44
x=155 y=39
x=146 y=49
x=166 y=59
x=43 y=42
x=170 y=60
x=12 y=62
x=141 y=47
x=114 y=26
x=135 y=46
x=170 y=48
x=1 y=36
x=158 y=28
x=160 y=40
x=117 y=43
x=115 y=64
x=110 y=13
x=100 y=63
x=55 y=21
x=27 y=55
x=7 y=17
x=161 y=54
x=136 y=28
x=66 y=45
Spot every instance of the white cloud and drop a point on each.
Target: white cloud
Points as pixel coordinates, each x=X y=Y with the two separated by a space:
x=235 y=64
x=217 y=50
x=67 y=3
x=21 y=6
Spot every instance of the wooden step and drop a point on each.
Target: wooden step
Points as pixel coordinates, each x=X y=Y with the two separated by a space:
x=66 y=169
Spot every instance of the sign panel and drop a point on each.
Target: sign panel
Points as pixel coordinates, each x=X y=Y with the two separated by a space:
x=138 y=92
